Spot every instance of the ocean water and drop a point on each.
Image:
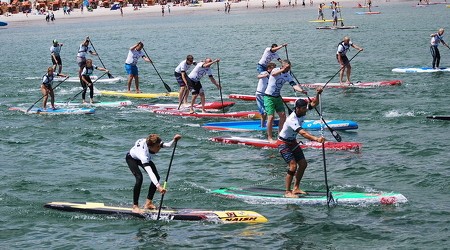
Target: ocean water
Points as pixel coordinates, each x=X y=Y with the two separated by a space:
x=81 y=158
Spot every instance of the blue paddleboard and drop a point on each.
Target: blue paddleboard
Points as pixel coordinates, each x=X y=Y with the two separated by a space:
x=255 y=125
x=419 y=70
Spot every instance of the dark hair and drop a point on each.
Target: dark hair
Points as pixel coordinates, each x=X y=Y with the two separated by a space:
x=274 y=45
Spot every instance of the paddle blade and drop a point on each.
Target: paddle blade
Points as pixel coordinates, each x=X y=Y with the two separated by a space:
x=336 y=136
x=110 y=76
x=167 y=87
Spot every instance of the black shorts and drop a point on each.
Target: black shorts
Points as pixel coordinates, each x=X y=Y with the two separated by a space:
x=194 y=87
x=58 y=60
x=344 y=59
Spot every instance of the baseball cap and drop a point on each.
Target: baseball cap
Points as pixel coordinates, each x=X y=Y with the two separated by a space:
x=300 y=103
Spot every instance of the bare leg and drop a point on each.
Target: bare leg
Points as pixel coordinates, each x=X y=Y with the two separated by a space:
x=52 y=99
x=298 y=176
x=288 y=180
x=341 y=74
x=45 y=94
x=202 y=98
x=270 y=119
x=282 y=116
x=349 y=71
x=136 y=82
x=130 y=78
x=194 y=97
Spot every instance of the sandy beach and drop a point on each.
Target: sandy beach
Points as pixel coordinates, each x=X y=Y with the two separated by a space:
x=19 y=19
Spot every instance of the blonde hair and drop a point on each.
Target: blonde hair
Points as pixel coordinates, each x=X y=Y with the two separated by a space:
x=153 y=139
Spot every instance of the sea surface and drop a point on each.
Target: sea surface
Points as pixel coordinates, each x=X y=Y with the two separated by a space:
x=81 y=157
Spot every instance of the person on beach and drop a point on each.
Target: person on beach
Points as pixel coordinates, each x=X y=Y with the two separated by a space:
x=55 y=51
x=262 y=85
x=131 y=64
x=181 y=77
x=320 y=12
x=290 y=149
x=86 y=74
x=437 y=38
x=273 y=101
x=194 y=84
x=141 y=155
x=81 y=56
x=341 y=56
x=269 y=54
x=47 y=89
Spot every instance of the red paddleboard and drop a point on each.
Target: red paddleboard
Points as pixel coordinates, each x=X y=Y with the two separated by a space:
x=253 y=98
x=354 y=85
x=350 y=146
x=208 y=105
x=239 y=114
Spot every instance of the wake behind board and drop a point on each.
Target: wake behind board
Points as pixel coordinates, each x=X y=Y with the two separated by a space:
x=227 y=216
x=419 y=70
x=104 y=79
x=354 y=85
x=350 y=146
x=208 y=105
x=253 y=98
x=257 y=195
x=325 y=20
x=336 y=27
x=256 y=125
x=58 y=111
x=238 y=114
x=95 y=104
x=139 y=95
x=440 y=117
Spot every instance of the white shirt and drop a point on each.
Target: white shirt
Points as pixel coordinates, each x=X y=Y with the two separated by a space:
x=88 y=71
x=133 y=56
x=140 y=152
x=268 y=56
x=343 y=48
x=291 y=127
x=82 y=51
x=276 y=83
x=55 y=50
x=199 y=71
x=183 y=66
x=436 y=39
x=262 y=83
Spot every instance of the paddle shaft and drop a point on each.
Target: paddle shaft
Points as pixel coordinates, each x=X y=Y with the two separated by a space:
x=67 y=77
x=329 y=195
x=109 y=74
x=84 y=89
x=167 y=178
x=220 y=87
x=165 y=84
x=340 y=15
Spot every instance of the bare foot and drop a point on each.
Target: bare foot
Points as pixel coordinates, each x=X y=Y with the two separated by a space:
x=149 y=205
x=289 y=194
x=272 y=141
x=138 y=91
x=136 y=209
x=298 y=191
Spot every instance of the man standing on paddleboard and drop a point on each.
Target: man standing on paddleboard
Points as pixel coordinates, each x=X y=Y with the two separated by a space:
x=194 y=84
x=272 y=98
x=131 y=65
x=141 y=155
x=341 y=56
x=181 y=77
x=290 y=149
x=437 y=38
x=55 y=51
x=269 y=54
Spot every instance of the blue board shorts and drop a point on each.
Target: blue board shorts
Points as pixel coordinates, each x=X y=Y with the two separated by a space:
x=179 y=79
x=260 y=103
x=290 y=151
x=261 y=68
x=131 y=69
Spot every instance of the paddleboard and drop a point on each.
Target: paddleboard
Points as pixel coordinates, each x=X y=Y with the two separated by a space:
x=256 y=125
x=3 y=23
x=336 y=27
x=58 y=111
x=350 y=146
x=139 y=95
x=95 y=104
x=208 y=105
x=104 y=79
x=239 y=114
x=354 y=85
x=253 y=98
x=325 y=21
x=227 y=216
x=440 y=117
x=419 y=70
x=368 y=13
x=255 y=195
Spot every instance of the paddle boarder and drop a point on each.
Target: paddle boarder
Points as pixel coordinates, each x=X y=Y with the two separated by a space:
x=341 y=56
x=262 y=85
x=55 y=51
x=86 y=81
x=194 y=84
x=272 y=98
x=181 y=77
x=81 y=56
x=47 y=89
x=290 y=149
x=320 y=12
x=269 y=54
x=437 y=38
x=141 y=155
x=131 y=64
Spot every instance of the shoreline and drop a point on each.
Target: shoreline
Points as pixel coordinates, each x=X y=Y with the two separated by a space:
x=21 y=19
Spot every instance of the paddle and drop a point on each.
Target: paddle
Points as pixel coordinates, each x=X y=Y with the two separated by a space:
x=165 y=84
x=220 y=86
x=109 y=74
x=167 y=178
x=67 y=77
x=329 y=195
x=73 y=98
x=340 y=15
x=185 y=92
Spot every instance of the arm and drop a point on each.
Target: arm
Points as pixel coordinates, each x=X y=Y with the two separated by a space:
x=169 y=144
x=311 y=137
x=356 y=47
x=275 y=49
x=261 y=76
x=277 y=72
x=316 y=100
x=298 y=88
x=102 y=69
x=148 y=168
x=446 y=45
x=211 y=78
x=210 y=63
x=134 y=46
